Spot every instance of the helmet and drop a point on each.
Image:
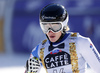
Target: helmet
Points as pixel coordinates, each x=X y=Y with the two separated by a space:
x=54 y=13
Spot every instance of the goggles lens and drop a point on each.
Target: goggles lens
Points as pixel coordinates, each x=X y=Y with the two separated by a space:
x=55 y=27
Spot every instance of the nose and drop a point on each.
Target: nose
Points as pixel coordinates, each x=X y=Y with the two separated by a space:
x=50 y=31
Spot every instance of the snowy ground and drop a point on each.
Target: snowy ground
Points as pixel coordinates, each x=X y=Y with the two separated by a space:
x=14 y=63
x=19 y=69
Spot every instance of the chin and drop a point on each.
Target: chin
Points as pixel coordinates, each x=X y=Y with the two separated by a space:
x=53 y=40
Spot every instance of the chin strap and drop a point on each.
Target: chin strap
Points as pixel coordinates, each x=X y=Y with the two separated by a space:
x=60 y=37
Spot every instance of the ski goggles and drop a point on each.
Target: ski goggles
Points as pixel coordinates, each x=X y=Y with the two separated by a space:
x=48 y=26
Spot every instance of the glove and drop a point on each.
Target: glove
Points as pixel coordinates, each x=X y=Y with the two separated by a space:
x=33 y=65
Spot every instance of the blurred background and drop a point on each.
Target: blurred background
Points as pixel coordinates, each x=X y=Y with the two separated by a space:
x=20 y=31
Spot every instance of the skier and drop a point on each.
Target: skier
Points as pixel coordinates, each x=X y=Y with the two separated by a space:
x=62 y=51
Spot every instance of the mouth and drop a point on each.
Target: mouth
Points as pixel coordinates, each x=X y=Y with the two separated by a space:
x=52 y=36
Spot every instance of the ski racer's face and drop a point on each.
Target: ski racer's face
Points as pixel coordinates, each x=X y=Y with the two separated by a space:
x=54 y=36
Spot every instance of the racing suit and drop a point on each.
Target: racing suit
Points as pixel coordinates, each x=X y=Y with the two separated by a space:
x=70 y=55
